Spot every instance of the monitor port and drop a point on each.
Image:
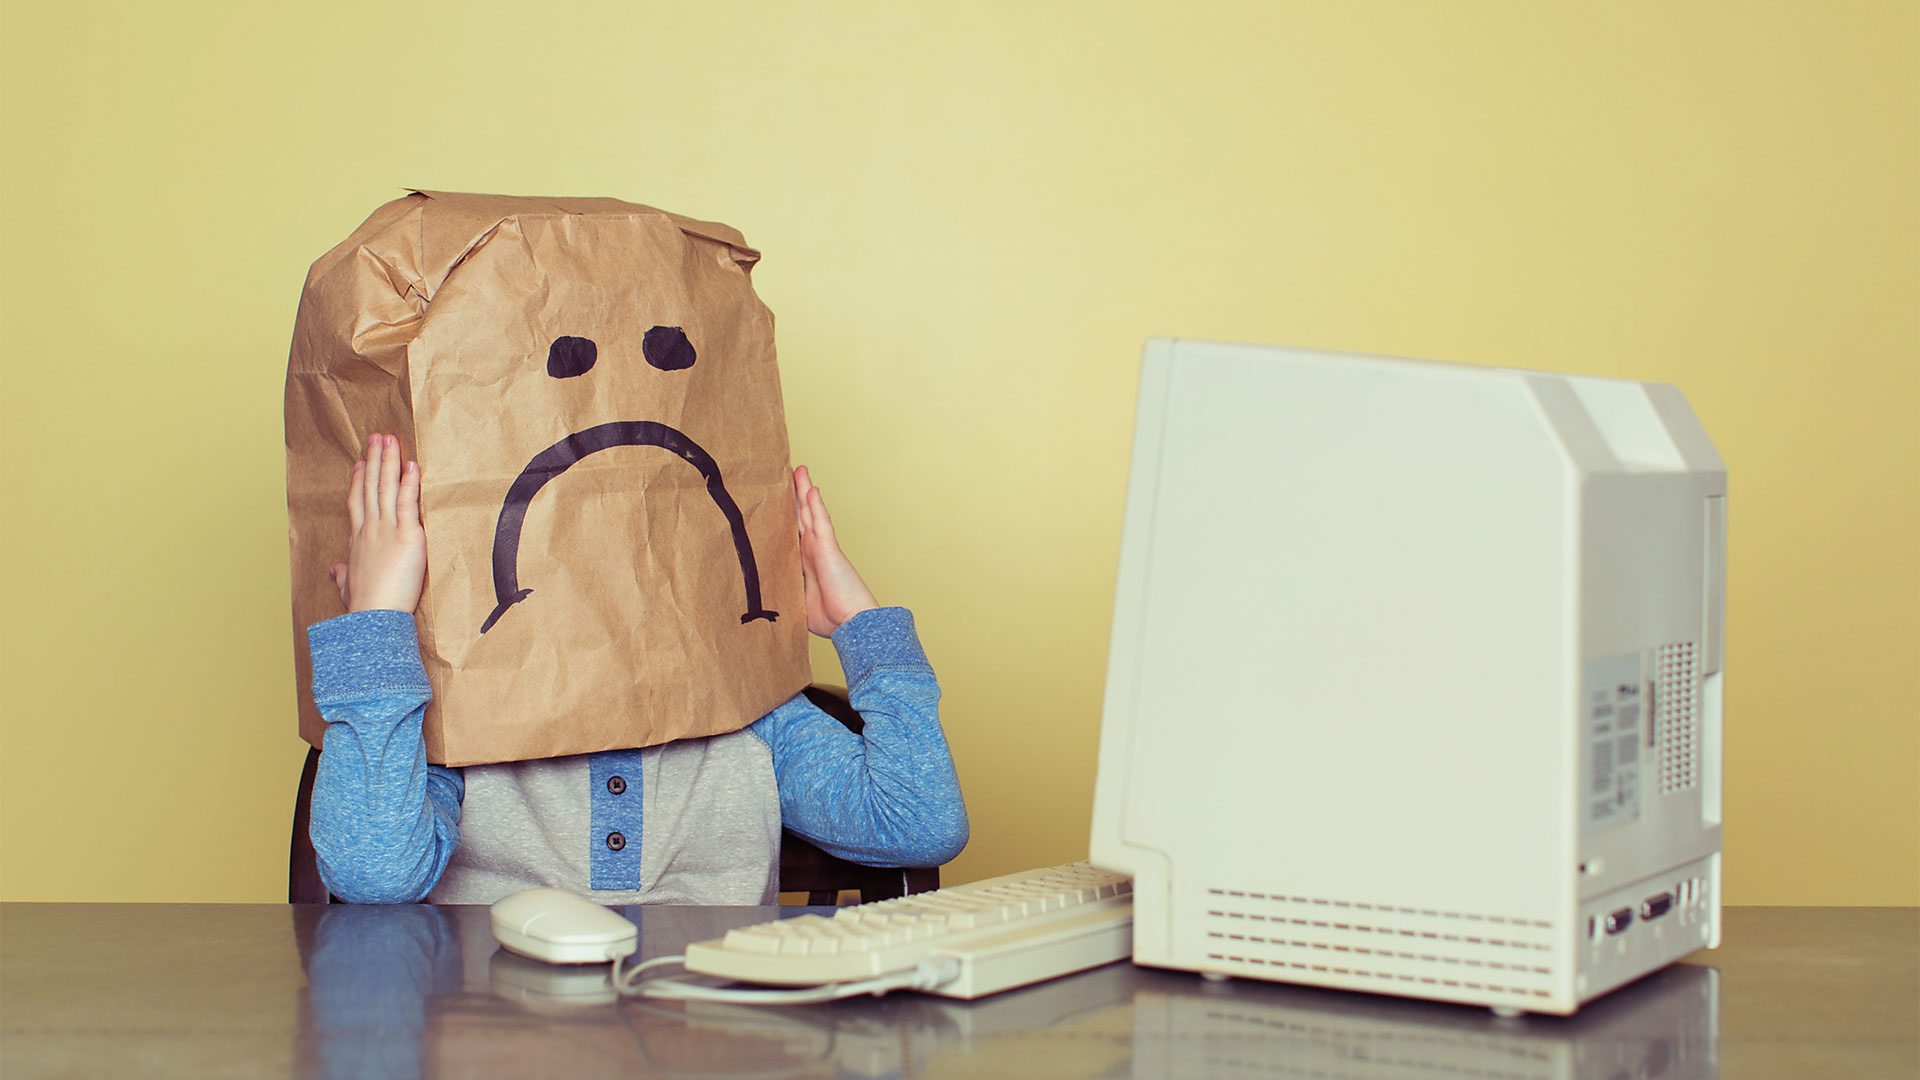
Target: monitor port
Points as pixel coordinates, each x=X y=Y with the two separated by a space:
x=1655 y=906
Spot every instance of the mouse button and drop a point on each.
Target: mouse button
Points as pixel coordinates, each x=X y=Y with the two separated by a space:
x=615 y=919
x=613 y=926
x=513 y=912
x=519 y=910
x=595 y=925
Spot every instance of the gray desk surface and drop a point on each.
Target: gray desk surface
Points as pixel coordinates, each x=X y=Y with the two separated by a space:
x=242 y=990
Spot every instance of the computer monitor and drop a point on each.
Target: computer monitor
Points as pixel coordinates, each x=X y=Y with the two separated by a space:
x=1415 y=677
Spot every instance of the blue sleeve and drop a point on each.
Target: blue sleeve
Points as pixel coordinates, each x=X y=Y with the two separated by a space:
x=887 y=796
x=384 y=821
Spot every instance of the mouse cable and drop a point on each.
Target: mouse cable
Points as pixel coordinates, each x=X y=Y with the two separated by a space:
x=929 y=973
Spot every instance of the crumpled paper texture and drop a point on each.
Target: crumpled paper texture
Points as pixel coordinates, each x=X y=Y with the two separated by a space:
x=618 y=516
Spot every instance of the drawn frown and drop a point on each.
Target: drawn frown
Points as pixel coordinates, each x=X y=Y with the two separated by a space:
x=667 y=349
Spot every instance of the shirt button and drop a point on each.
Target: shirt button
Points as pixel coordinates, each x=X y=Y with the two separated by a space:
x=616 y=841
x=617 y=785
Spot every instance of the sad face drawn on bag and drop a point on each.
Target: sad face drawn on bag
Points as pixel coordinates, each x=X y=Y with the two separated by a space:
x=667 y=349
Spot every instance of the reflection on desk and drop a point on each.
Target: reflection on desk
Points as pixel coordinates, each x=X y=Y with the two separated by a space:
x=1182 y=1027
x=421 y=990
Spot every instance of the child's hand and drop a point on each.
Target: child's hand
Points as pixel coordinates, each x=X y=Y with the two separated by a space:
x=387 y=556
x=835 y=592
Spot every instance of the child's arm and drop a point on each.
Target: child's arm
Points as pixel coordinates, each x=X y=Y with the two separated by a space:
x=887 y=796
x=384 y=822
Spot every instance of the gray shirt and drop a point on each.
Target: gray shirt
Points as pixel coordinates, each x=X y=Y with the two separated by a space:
x=711 y=827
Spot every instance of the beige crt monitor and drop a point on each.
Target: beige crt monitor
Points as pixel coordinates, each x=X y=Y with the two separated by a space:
x=1415 y=679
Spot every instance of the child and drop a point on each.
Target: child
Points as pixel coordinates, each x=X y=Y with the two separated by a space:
x=691 y=822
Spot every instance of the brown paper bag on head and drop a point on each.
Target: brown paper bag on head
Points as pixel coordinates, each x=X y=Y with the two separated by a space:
x=590 y=389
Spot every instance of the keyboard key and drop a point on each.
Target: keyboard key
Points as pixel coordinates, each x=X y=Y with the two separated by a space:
x=753 y=939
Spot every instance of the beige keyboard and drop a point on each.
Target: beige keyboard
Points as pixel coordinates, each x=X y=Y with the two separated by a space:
x=1004 y=932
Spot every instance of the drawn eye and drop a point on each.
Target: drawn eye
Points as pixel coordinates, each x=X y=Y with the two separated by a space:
x=667 y=348
x=570 y=357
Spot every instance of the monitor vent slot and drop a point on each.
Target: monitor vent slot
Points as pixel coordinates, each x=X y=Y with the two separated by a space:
x=1676 y=712
x=1385 y=947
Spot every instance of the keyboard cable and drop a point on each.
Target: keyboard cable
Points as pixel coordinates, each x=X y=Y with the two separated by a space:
x=927 y=974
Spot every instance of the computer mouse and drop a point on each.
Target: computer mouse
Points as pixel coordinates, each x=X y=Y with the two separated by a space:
x=559 y=927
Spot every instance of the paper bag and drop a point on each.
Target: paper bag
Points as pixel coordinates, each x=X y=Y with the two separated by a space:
x=590 y=389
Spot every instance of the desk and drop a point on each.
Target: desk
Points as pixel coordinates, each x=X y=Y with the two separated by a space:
x=209 y=990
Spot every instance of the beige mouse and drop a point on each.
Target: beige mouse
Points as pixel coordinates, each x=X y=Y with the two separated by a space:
x=559 y=927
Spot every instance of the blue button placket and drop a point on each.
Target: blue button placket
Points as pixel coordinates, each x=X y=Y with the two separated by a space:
x=615 y=840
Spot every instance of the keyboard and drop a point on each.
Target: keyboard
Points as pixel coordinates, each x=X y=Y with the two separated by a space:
x=1004 y=932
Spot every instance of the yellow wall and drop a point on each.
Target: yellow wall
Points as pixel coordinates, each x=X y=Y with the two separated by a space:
x=972 y=217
